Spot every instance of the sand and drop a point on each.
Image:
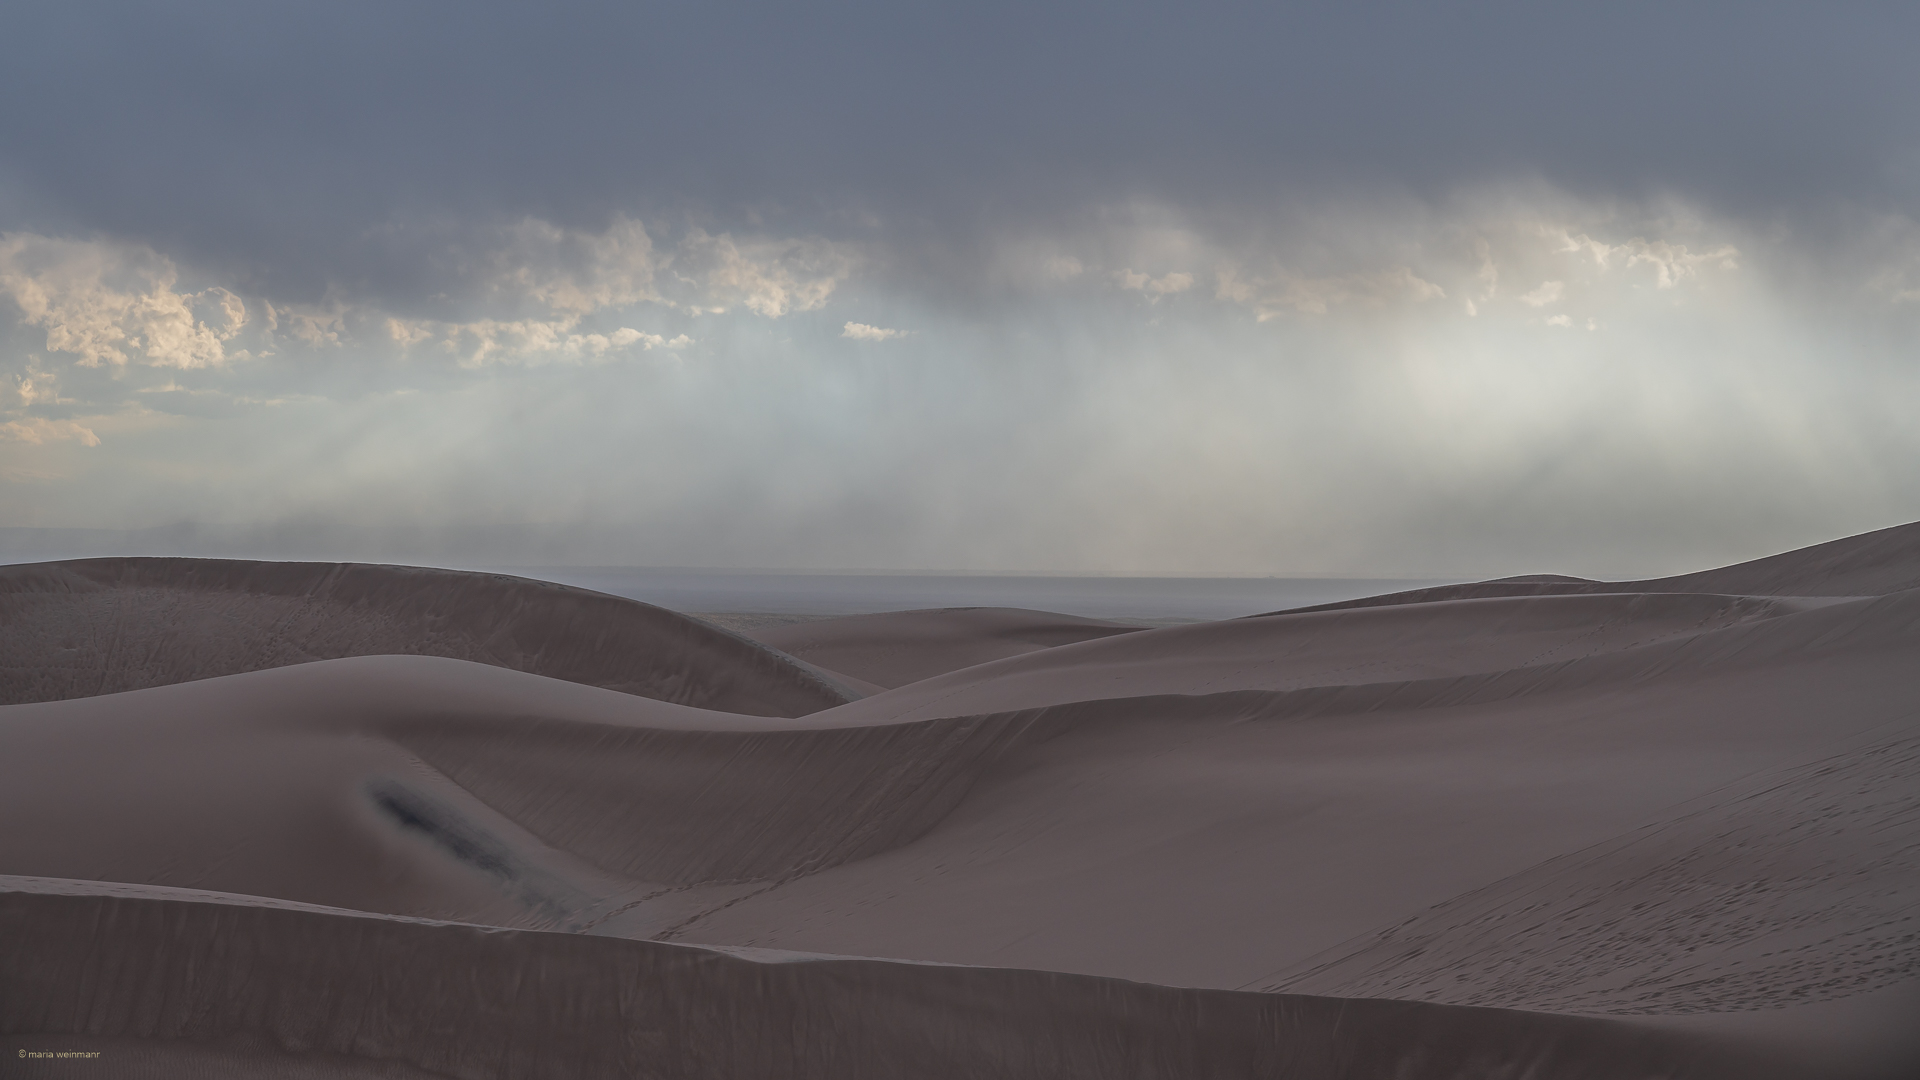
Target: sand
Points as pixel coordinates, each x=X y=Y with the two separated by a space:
x=100 y=626
x=300 y=820
x=895 y=648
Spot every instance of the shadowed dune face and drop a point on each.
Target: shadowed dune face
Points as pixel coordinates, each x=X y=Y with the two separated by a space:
x=100 y=626
x=1665 y=807
x=899 y=647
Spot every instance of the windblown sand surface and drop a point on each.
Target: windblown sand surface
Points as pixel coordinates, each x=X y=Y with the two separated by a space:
x=300 y=820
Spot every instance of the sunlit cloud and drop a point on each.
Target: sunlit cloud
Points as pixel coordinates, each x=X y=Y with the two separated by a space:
x=769 y=276
x=862 y=332
x=536 y=289
x=1670 y=262
x=574 y=272
x=38 y=430
x=525 y=341
x=115 y=303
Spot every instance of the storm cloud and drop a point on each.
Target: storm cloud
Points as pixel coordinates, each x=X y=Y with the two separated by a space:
x=1394 y=289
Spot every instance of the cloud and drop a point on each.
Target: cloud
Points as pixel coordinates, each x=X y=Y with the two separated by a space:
x=627 y=335
x=1432 y=92
x=1549 y=292
x=574 y=272
x=314 y=326
x=1154 y=287
x=1484 y=247
x=1062 y=267
x=481 y=342
x=863 y=332
x=1345 y=326
x=115 y=303
x=1895 y=256
x=27 y=391
x=534 y=290
x=538 y=289
x=499 y=223
x=1671 y=262
x=405 y=333
x=526 y=341
x=39 y=430
x=563 y=278
x=769 y=276
x=1279 y=292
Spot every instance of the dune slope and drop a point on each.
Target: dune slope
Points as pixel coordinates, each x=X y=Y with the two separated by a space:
x=1871 y=564
x=426 y=786
x=898 y=647
x=1212 y=839
x=99 y=626
x=1324 y=649
x=265 y=983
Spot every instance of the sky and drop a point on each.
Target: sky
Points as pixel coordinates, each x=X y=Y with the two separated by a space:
x=1425 y=290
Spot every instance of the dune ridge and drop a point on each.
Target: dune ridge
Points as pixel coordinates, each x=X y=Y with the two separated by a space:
x=894 y=648
x=1340 y=650
x=100 y=626
x=1870 y=564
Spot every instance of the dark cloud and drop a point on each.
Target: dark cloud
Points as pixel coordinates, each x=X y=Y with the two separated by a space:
x=276 y=142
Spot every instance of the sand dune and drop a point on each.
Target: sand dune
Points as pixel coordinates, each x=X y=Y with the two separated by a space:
x=1871 y=564
x=1348 y=647
x=1635 y=925
x=1593 y=831
x=1288 y=829
x=425 y=786
x=468 y=1001
x=899 y=647
x=99 y=626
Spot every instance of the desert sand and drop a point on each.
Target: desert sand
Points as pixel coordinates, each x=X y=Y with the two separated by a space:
x=309 y=820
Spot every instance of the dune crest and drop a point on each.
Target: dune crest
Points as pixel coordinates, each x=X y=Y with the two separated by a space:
x=895 y=648
x=101 y=626
x=1871 y=564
